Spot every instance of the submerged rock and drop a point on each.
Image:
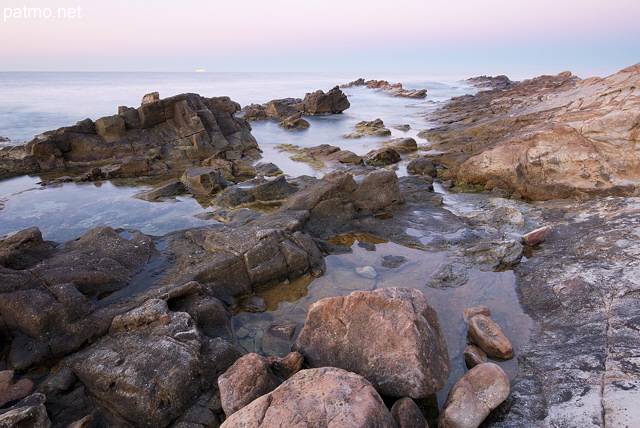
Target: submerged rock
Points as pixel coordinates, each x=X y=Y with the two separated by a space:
x=303 y=400
x=359 y=333
x=489 y=337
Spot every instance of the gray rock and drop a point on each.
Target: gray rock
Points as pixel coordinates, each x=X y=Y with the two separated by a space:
x=23 y=249
x=422 y=166
x=29 y=412
x=358 y=334
x=378 y=190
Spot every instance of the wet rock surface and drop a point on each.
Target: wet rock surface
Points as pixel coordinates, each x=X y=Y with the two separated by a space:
x=545 y=138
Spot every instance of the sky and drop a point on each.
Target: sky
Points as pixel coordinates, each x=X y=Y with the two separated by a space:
x=482 y=36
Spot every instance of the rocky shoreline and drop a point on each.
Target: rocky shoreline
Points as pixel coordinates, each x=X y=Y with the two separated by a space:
x=118 y=328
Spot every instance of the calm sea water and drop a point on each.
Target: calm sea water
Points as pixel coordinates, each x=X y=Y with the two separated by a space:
x=36 y=102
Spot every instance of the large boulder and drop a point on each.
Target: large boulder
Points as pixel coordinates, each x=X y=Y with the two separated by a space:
x=383 y=156
x=324 y=397
x=318 y=102
x=390 y=336
x=473 y=396
x=152 y=365
x=23 y=249
x=203 y=181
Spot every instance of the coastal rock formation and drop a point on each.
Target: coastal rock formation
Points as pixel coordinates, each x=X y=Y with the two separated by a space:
x=547 y=137
x=375 y=127
x=491 y=82
x=422 y=166
x=327 y=397
x=383 y=156
x=319 y=102
x=393 y=89
x=294 y=122
x=473 y=396
x=173 y=132
x=390 y=336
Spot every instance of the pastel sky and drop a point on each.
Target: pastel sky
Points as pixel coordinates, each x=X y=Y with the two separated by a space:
x=327 y=35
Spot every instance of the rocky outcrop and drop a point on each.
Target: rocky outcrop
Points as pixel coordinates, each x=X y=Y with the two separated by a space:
x=393 y=89
x=375 y=127
x=320 y=103
x=491 y=82
x=473 y=396
x=165 y=133
x=390 y=336
x=383 y=156
x=294 y=122
x=327 y=397
x=547 y=137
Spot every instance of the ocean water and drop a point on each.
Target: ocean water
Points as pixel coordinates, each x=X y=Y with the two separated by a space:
x=36 y=102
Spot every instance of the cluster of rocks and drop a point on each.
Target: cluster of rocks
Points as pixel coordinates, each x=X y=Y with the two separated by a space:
x=545 y=138
x=289 y=110
x=393 y=89
x=159 y=136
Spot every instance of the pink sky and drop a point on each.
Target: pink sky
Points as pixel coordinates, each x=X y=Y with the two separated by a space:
x=326 y=35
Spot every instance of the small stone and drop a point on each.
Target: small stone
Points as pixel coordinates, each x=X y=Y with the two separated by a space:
x=489 y=337
x=407 y=414
x=367 y=246
x=537 y=236
x=284 y=331
x=474 y=356
x=286 y=366
x=476 y=310
x=367 y=272
x=393 y=262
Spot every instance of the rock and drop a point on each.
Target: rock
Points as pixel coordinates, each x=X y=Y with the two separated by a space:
x=152 y=365
x=247 y=379
x=378 y=190
x=536 y=236
x=179 y=131
x=550 y=137
x=346 y=156
x=150 y=98
x=10 y=391
x=476 y=310
x=422 y=166
x=500 y=81
x=375 y=127
x=203 y=181
x=163 y=192
x=489 y=337
x=405 y=127
x=303 y=398
x=357 y=82
x=319 y=103
x=474 y=356
x=283 y=108
x=284 y=331
x=23 y=249
x=403 y=145
x=367 y=272
x=255 y=112
x=396 y=89
x=269 y=169
x=359 y=334
x=286 y=366
x=382 y=156
x=131 y=166
x=393 y=262
x=29 y=412
x=294 y=122
x=407 y=414
x=473 y=396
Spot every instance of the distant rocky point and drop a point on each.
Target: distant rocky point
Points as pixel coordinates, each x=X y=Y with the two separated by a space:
x=393 y=89
x=500 y=82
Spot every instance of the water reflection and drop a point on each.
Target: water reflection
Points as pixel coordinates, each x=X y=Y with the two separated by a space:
x=289 y=303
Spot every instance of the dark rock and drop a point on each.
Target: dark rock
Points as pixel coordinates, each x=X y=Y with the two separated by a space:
x=29 y=412
x=286 y=366
x=150 y=98
x=407 y=414
x=294 y=122
x=131 y=166
x=346 y=156
x=247 y=379
x=318 y=103
x=268 y=169
x=10 y=391
x=383 y=156
x=23 y=249
x=203 y=181
x=283 y=108
x=378 y=190
x=393 y=262
x=255 y=112
x=358 y=334
x=357 y=82
x=163 y=192
x=500 y=81
x=474 y=356
x=403 y=145
x=354 y=402
x=395 y=89
x=422 y=166
x=111 y=128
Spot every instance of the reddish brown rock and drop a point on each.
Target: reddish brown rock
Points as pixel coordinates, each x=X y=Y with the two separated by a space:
x=286 y=366
x=476 y=310
x=407 y=414
x=489 y=337
x=318 y=102
x=390 y=336
x=473 y=396
x=324 y=397
x=247 y=379
x=383 y=156
x=294 y=122
x=10 y=391
x=536 y=236
x=474 y=356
